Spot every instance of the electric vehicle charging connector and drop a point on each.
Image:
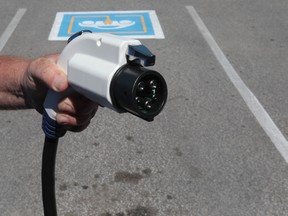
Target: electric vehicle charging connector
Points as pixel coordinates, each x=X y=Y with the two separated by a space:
x=110 y=71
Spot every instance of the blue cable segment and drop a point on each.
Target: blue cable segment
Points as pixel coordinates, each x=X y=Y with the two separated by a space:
x=51 y=128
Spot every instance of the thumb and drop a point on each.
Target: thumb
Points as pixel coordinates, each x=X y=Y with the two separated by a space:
x=46 y=70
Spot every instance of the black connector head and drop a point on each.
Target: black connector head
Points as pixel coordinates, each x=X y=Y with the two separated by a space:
x=138 y=90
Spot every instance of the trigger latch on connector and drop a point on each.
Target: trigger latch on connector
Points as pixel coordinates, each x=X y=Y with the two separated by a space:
x=143 y=53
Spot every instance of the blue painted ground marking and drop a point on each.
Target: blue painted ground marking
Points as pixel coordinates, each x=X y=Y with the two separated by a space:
x=133 y=24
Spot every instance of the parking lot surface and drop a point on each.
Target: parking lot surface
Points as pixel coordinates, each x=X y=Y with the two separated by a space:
x=206 y=154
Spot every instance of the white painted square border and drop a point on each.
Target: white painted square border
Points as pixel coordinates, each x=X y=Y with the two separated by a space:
x=158 y=32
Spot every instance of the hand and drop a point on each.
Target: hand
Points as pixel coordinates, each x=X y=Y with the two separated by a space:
x=74 y=111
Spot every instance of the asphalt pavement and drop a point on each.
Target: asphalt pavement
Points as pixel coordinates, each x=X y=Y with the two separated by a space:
x=206 y=154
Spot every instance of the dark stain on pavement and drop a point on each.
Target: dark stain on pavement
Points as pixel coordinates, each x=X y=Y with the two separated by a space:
x=178 y=152
x=142 y=211
x=195 y=172
x=147 y=172
x=130 y=138
x=63 y=187
x=127 y=177
x=138 y=211
x=132 y=177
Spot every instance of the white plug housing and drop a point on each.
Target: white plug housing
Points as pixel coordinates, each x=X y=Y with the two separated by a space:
x=91 y=61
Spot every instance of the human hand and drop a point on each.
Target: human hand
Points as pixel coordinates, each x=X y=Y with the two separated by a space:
x=74 y=111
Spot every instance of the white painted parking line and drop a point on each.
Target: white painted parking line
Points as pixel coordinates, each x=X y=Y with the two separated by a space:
x=252 y=102
x=11 y=27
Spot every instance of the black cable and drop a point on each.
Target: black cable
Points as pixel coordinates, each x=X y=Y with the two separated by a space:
x=48 y=176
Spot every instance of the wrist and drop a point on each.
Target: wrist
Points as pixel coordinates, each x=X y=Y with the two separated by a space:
x=12 y=71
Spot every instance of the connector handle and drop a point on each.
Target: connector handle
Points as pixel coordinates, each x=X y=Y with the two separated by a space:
x=50 y=126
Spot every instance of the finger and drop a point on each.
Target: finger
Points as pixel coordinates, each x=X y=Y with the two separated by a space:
x=76 y=105
x=80 y=121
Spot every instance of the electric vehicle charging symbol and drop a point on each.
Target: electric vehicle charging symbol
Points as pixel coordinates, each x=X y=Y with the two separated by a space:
x=108 y=24
x=130 y=24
